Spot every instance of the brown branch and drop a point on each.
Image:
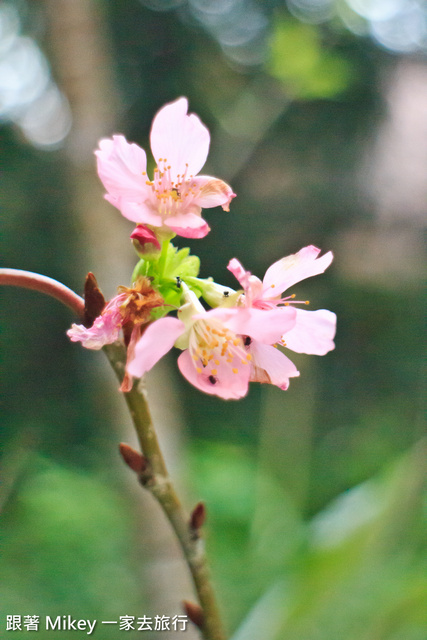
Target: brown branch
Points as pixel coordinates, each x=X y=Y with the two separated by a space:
x=37 y=282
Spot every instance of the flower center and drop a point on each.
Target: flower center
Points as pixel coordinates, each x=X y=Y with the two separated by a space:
x=170 y=194
x=215 y=348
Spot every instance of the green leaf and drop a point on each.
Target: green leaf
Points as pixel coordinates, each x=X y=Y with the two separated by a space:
x=180 y=263
x=141 y=269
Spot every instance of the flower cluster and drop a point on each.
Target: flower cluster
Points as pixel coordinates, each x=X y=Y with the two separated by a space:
x=242 y=337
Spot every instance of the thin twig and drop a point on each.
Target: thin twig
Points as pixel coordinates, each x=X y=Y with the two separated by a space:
x=37 y=282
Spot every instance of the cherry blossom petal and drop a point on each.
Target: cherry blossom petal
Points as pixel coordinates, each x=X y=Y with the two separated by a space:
x=105 y=330
x=156 y=341
x=287 y=271
x=211 y=192
x=239 y=272
x=251 y=284
x=225 y=384
x=265 y=326
x=139 y=212
x=188 y=225
x=313 y=332
x=179 y=138
x=127 y=381
x=121 y=167
x=271 y=366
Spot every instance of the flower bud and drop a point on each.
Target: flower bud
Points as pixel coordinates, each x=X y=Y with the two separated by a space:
x=194 y=613
x=94 y=300
x=132 y=458
x=198 y=517
x=145 y=242
x=216 y=295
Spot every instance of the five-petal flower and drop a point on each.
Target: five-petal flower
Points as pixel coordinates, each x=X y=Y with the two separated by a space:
x=172 y=201
x=312 y=332
x=214 y=358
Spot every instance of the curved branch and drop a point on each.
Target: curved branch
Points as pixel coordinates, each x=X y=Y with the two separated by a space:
x=37 y=282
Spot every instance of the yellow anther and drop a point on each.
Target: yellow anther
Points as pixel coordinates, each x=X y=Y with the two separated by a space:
x=307 y=302
x=198 y=369
x=214 y=372
x=293 y=295
x=160 y=159
x=216 y=362
x=144 y=173
x=235 y=370
x=248 y=357
x=236 y=341
x=229 y=360
x=272 y=286
x=244 y=362
x=195 y=358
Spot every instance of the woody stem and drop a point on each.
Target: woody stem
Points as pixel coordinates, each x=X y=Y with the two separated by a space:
x=37 y=282
x=155 y=476
x=156 y=479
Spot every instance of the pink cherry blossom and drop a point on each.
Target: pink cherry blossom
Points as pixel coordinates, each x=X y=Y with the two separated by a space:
x=214 y=357
x=105 y=329
x=173 y=199
x=312 y=331
x=128 y=311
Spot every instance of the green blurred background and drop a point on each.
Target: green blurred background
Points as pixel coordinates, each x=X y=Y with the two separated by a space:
x=315 y=496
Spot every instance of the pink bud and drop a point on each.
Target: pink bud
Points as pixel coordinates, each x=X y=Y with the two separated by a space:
x=144 y=240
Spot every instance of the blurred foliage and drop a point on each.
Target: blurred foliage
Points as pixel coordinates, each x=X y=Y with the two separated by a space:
x=314 y=72
x=355 y=570
x=63 y=557
x=316 y=527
